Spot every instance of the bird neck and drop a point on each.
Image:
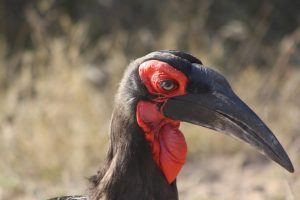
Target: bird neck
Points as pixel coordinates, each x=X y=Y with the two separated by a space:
x=166 y=140
x=130 y=171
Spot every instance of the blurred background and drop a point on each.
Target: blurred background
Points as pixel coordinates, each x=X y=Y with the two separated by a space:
x=61 y=61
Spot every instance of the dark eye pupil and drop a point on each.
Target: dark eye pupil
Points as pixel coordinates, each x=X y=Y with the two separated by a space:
x=168 y=85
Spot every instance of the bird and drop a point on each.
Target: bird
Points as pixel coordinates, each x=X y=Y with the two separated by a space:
x=146 y=149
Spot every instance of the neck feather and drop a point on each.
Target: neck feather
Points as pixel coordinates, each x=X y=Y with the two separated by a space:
x=130 y=171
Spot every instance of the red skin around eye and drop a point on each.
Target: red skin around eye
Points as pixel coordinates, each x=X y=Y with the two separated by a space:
x=166 y=140
x=152 y=72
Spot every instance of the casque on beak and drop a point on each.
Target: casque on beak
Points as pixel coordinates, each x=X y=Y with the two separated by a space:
x=210 y=102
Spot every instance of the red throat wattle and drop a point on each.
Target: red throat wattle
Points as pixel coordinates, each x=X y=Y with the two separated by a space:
x=166 y=140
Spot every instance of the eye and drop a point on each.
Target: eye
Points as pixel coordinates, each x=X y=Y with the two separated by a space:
x=168 y=85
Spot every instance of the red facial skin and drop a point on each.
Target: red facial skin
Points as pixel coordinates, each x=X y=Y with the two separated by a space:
x=166 y=140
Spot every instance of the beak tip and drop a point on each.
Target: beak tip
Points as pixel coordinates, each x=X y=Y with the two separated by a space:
x=290 y=168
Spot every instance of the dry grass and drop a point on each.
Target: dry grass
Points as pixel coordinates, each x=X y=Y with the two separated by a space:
x=54 y=121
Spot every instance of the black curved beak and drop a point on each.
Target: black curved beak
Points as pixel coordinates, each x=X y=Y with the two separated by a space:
x=221 y=110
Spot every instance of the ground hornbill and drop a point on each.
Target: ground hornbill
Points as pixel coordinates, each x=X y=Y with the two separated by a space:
x=147 y=150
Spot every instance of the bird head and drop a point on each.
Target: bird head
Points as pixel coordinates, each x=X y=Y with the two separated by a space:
x=174 y=87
